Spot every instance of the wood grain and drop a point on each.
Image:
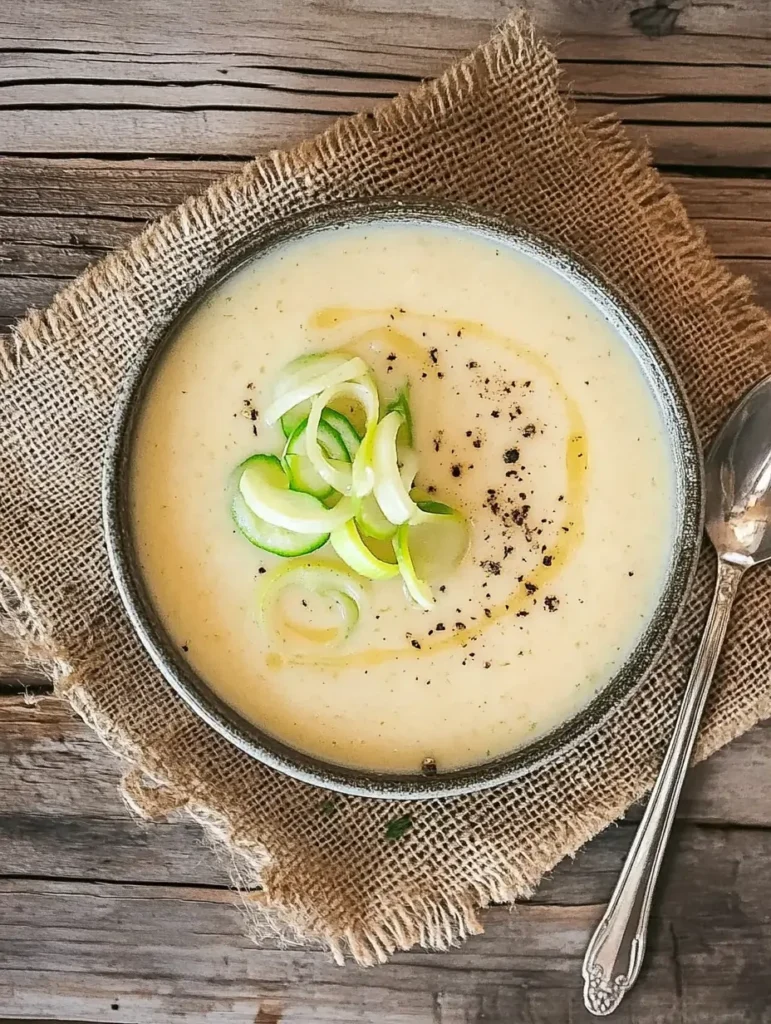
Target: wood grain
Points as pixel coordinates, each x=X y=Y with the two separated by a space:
x=61 y=816
x=384 y=36
x=138 y=190
x=144 y=955
x=246 y=133
x=220 y=93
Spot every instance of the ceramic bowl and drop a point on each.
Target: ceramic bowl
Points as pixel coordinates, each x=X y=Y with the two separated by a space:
x=664 y=386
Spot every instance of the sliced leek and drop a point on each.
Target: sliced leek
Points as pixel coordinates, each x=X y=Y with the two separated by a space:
x=299 y=468
x=418 y=589
x=286 y=543
x=350 y=369
x=322 y=578
x=305 y=367
x=354 y=490
x=264 y=487
x=291 y=420
x=408 y=467
x=348 y=434
x=348 y=543
x=345 y=479
x=401 y=404
x=371 y=520
x=392 y=495
x=439 y=539
x=297 y=372
x=429 y=548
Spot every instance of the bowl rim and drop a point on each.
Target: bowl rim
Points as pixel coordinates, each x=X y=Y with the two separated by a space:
x=669 y=394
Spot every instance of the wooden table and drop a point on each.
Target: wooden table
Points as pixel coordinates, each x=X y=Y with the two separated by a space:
x=112 y=112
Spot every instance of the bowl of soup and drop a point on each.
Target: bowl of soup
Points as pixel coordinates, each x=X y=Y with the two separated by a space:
x=405 y=501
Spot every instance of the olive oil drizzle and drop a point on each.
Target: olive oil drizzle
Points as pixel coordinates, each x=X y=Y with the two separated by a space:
x=569 y=532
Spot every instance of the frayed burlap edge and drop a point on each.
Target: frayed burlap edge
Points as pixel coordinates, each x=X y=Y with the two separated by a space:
x=435 y=924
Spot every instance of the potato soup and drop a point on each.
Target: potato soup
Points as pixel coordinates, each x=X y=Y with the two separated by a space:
x=533 y=430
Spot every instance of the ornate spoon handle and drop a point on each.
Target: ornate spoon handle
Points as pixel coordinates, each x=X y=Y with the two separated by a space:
x=616 y=951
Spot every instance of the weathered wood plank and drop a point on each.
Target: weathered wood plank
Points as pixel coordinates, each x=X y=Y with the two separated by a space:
x=59 y=246
x=16 y=674
x=714 y=198
x=235 y=79
x=150 y=953
x=383 y=37
x=61 y=816
x=650 y=81
x=138 y=131
x=140 y=189
x=643 y=91
x=671 y=129
x=20 y=294
x=125 y=189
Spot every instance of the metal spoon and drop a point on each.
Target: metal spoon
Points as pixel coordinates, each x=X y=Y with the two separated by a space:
x=738 y=516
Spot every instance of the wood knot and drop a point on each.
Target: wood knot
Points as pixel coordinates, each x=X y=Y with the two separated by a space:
x=657 y=19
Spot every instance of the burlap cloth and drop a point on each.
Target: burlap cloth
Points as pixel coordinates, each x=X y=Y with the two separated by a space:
x=492 y=132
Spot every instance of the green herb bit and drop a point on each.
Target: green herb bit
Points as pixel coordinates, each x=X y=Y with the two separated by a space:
x=401 y=404
x=398 y=827
x=329 y=807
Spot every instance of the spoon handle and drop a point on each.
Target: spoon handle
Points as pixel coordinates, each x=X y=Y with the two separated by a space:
x=615 y=953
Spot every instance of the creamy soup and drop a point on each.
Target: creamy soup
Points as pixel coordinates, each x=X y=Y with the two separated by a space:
x=530 y=416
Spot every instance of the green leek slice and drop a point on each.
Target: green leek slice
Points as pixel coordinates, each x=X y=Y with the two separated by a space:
x=299 y=468
x=350 y=369
x=370 y=519
x=348 y=434
x=265 y=488
x=297 y=372
x=408 y=466
x=429 y=548
x=418 y=589
x=347 y=542
x=392 y=495
x=291 y=420
x=275 y=539
x=303 y=368
x=401 y=404
x=439 y=539
x=322 y=578
x=344 y=479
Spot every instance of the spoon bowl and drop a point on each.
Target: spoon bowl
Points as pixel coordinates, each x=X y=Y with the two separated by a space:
x=738 y=481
